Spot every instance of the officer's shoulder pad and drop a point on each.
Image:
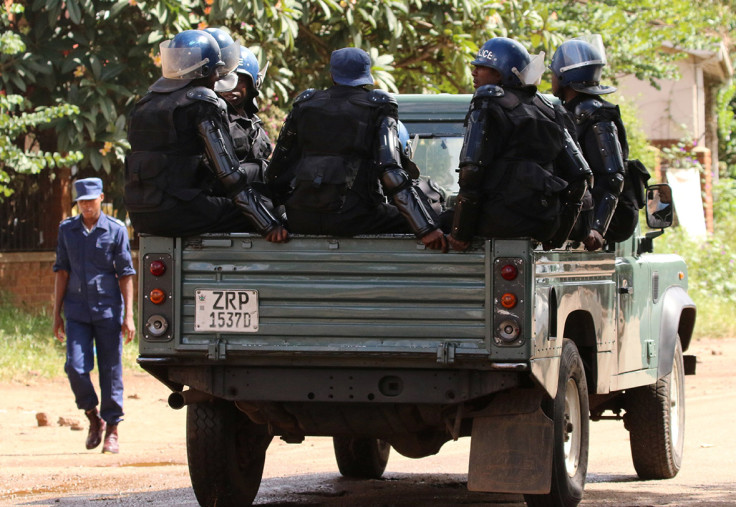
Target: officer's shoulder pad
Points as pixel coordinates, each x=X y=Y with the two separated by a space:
x=487 y=91
x=305 y=95
x=586 y=108
x=204 y=94
x=547 y=100
x=381 y=97
x=67 y=221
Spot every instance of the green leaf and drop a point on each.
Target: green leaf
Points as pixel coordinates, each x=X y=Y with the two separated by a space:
x=72 y=7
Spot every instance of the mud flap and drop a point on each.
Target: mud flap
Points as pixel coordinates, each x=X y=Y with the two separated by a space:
x=511 y=450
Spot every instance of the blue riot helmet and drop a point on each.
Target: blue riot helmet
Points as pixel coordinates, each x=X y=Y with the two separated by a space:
x=404 y=139
x=579 y=64
x=247 y=66
x=229 y=49
x=191 y=54
x=505 y=55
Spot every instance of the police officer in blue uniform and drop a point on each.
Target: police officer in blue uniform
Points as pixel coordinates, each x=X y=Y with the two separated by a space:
x=94 y=285
x=338 y=159
x=576 y=67
x=182 y=174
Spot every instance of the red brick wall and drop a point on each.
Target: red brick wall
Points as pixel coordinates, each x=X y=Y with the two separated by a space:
x=27 y=279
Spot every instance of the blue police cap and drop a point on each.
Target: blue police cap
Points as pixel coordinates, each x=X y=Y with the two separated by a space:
x=88 y=188
x=351 y=67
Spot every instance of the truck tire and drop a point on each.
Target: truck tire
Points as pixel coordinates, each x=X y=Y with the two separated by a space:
x=570 y=413
x=361 y=458
x=655 y=418
x=226 y=452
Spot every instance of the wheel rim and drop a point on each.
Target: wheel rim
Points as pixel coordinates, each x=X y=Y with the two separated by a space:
x=675 y=407
x=572 y=427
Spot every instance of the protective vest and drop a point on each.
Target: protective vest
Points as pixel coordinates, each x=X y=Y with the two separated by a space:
x=335 y=132
x=165 y=164
x=520 y=180
x=588 y=112
x=250 y=141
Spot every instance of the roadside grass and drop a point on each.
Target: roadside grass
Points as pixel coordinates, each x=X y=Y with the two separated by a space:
x=28 y=348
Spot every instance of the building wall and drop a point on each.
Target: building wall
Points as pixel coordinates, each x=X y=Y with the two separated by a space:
x=27 y=279
x=665 y=111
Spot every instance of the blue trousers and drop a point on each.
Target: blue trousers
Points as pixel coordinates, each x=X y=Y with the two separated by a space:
x=81 y=340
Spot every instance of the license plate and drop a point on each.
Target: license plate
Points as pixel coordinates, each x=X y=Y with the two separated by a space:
x=226 y=311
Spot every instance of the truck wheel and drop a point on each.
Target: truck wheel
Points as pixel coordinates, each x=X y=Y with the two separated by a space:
x=226 y=452
x=361 y=458
x=569 y=411
x=655 y=418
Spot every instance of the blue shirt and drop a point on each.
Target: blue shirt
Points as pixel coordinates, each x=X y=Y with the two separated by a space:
x=95 y=262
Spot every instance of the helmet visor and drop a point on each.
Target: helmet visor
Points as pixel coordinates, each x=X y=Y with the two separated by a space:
x=230 y=56
x=227 y=83
x=181 y=63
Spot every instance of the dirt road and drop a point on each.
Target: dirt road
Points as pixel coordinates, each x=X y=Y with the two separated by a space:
x=49 y=465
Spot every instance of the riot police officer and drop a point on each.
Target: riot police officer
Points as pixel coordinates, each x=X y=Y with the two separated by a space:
x=250 y=140
x=509 y=185
x=182 y=175
x=337 y=150
x=576 y=67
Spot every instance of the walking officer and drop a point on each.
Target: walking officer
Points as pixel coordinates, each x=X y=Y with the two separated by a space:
x=94 y=285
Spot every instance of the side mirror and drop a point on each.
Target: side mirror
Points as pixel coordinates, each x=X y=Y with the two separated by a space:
x=660 y=208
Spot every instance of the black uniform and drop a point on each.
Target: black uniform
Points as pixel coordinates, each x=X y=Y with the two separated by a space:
x=251 y=143
x=182 y=177
x=337 y=159
x=508 y=185
x=602 y=137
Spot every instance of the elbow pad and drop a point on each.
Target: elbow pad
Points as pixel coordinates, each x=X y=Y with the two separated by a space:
x=609 y=148
x=398 y=187
x=388 y=151
x=220 y=153
x=249 y=202
x=571 y=162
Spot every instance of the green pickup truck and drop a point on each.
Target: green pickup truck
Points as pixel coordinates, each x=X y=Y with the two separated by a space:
x=380 y=343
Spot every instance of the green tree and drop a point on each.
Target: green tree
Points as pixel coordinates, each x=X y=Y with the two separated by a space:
x=101 y=55
x=18 y=150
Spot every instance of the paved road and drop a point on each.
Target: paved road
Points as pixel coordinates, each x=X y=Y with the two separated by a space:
x=44 y=466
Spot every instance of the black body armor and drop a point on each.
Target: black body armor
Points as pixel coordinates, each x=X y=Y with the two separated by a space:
x=251 y=143
x=507 y=183
x=602 y=137
x=337 y=149
x=571 y=166
x=182 y=151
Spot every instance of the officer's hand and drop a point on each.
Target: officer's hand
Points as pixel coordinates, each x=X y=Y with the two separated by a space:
x=456 y=244
x=435 y=240
x=59 y=328
x=594 y=241
x=278 y=234
x=128 y=329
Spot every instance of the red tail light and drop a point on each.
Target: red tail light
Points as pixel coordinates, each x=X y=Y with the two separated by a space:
x=509 y=272
x=157 y=268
